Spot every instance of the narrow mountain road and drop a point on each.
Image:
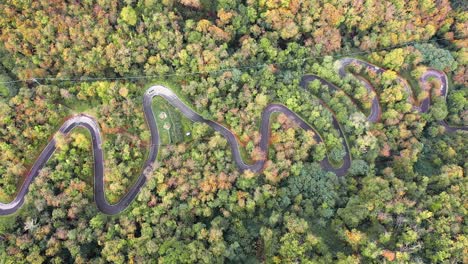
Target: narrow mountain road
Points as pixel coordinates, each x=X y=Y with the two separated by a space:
x=422 y=107
x=376 y=110
x=92 y=126
x=443 y=91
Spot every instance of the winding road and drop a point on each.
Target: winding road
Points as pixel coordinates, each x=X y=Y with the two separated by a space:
x=92 y=126
x=424 y=80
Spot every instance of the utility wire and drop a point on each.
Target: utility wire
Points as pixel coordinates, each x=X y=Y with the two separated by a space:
x=87 y=79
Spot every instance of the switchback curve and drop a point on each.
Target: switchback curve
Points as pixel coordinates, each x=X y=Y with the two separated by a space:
x=92 y=126
x=421 y=107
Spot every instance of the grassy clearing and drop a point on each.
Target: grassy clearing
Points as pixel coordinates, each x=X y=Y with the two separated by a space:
x=7 y=222
x=160 y=108
x=173 y=127
x=78 y=106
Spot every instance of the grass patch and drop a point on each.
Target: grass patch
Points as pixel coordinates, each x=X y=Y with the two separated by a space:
x=7 y=222
x=79 y=106
x=172 y=125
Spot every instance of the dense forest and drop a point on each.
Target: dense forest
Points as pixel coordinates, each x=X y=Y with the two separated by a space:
x=402 y=201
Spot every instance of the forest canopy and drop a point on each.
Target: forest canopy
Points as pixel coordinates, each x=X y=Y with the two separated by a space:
x=403 y=199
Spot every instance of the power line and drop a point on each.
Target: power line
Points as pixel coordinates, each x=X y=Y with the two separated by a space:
x=87 y=79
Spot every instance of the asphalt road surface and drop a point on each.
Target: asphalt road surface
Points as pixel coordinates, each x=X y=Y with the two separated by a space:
x=90 y=124
x=422 y=107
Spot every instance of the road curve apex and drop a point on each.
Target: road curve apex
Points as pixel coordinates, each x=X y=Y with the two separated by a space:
x=156 y=90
